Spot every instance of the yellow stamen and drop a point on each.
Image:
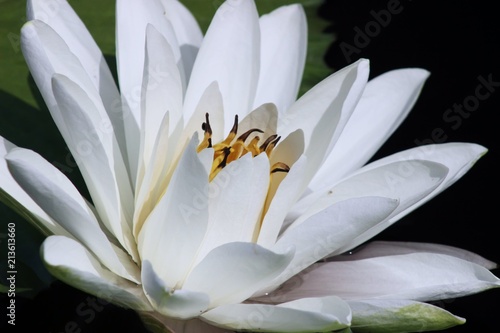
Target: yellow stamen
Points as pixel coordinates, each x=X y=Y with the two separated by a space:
x=232 y=148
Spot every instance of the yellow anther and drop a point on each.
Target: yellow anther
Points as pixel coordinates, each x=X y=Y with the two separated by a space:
x=253 y=147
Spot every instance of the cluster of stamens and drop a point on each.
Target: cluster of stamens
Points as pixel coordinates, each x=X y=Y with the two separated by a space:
x=232 y=147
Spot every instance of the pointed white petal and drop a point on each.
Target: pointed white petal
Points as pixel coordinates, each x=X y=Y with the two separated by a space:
x=236 y=197
x=385 y=103
x=230 y=55
x=210 y=103
x=283 y=55
x=96 y=152
x=264 y=117
x=174 y=230
x=171 y=302
x=384 y=248
x=132 y=19
x=57 y=196
x=71 y=263
x=187 y=31
x=399 y=316
x=456 y=156
x=410 y=182
x=332 y=100
x=162 y=89
x=415 y=276
x=232 y=272
x=15 y=197
x=59 y=15
x=305 y=315
x=329 y=230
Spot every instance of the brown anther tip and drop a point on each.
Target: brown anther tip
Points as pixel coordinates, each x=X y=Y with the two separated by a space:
x=235 y=125
x=206 y=125
x=280 y=167
x=245 y=135
x=267 y=142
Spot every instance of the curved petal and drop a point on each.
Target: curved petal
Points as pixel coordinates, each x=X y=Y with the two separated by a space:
x=71 y=263
x=323 y=111
x=384 y=248
x=400 y=316
x=132 y=19
x=230 y=55
x=236 y=196
x=329 y=230
x=15 y=197
x=415 y=276
x=59 y=15
x=171 y=302
x=410 y=182
x=96 y=152
x=385 y=103
x=57 y=196
x=306 y=315
x=172 y=233
x=187 y=31
x=283 y=55
x=232 y=272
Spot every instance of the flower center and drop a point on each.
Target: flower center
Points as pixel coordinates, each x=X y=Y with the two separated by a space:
x=232 y=147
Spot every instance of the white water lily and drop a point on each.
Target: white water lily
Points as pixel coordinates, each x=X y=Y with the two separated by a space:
x=202 y=218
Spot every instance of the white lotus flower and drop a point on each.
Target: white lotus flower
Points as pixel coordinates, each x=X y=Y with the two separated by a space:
x=200 y=232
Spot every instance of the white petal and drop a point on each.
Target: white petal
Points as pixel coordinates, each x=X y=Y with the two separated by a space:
x=71 y=263
x=59 y=15
x=305 y=315
x=323 y=111
x=456 y=156
x=57 y=196
x=283 y=55
x=385 y=103
x=383 y=248
x=96 y=152
x=236 y=196
x=211 y=104
x=230 y=55
x=162 y=90
x=132 y=19
x=333 y=98
x=285 y=196
x=15 y=197
x=329 y=230
x=264 y=117
x=399 y=316
x=410 y=182
x=232 y=272
x=187 y=31
x=415 y=276
x=171 y=235
x=176 y=303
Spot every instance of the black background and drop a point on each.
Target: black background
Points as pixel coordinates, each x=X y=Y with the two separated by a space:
x=457 y=41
